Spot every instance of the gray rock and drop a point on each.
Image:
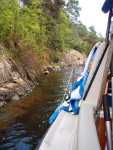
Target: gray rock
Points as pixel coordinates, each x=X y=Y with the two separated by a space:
x=6 y=96
x=20 y=91
x=57 y=68
x=15 y=98
x=2 y=103
x=50 y=68
x=46 y=72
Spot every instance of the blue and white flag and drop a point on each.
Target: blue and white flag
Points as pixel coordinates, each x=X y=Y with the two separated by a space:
x=77 y=90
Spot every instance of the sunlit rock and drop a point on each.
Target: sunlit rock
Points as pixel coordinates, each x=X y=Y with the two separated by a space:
x=15 y=97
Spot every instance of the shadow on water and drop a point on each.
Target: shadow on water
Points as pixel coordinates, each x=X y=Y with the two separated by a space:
x=23 y=123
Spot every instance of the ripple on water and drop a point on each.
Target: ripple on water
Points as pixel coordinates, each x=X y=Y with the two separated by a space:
x=17 y=138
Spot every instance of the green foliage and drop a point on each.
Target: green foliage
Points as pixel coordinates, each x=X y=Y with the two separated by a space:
x=41 y=25
x=9 y=11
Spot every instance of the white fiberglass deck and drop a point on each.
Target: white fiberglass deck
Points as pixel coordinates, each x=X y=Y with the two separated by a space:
x=63 y=133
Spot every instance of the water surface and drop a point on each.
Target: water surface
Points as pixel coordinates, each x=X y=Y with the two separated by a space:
x=23 y=123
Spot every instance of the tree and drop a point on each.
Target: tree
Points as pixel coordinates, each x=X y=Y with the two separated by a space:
x=44 y=26
x=52 y=11
x=73 y=10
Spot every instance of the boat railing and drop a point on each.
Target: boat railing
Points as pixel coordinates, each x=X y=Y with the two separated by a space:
x=87 y=135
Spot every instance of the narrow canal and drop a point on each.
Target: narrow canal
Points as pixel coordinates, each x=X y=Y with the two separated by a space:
x=23 y=123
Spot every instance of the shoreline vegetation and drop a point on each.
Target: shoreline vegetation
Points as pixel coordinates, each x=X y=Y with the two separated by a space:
x=39 y=36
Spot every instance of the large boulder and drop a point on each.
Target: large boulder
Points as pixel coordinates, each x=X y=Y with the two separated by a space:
x=73 y=57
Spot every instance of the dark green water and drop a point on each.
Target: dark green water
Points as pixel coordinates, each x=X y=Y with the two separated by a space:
x=24 y=123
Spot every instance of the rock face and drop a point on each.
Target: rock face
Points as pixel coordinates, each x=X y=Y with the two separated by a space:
x=69 y=59
x=73 y=57
x=15 y=82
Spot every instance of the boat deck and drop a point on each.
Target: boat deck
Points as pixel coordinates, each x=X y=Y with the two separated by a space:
x=70 y=132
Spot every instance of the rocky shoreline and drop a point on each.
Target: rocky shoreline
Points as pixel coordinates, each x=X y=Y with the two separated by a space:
x=69 y=59
x=16 y=81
